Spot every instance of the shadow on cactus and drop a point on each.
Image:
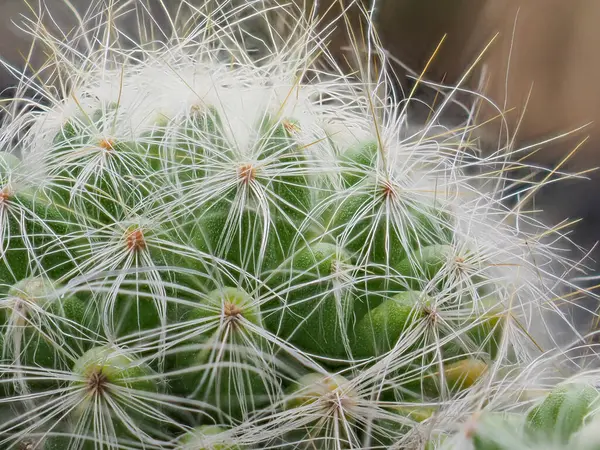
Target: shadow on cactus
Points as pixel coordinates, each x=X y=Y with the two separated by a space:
x=204 y=247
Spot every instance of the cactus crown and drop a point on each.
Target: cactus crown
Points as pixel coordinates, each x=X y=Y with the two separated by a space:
x=206 y=248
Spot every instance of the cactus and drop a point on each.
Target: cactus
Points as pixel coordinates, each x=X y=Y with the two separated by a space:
x=207 y=248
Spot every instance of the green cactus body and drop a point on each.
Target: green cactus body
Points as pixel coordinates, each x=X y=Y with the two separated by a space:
x=61 y=442
x=381 y=328
x=425 y=264
x=355 y=223
x=101 y=170
x=361 y=217
x=134 y=314
x=358 y=161
x=316 y=313
x=200 y=233
x=32 y=228
x=138 y=300
x=58 y=443
x=563 y=411
x=292 y=197
x=365 y=213
x=242 y=241
x=270 y=187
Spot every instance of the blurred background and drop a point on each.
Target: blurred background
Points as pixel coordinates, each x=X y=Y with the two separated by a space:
x=542 y=68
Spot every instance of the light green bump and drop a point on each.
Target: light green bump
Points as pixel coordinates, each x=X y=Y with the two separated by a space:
x=116 y=365
x=498 y=431
x=425 y=264
x=464 y=373
x=212 y=378
x=229 y=301
x=563 y=411
x=316 y=387
x=457 y=375
x=206 y=437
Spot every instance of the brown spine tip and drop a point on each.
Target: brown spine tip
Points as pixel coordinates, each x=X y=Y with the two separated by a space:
x=388 y=190
x=431 y=315
x=96 y=383
x=107 y=144
x=471 y=426
x=246 y=173
x=5 y=194
x=135 y=240
x=461 y=264
x=26 y=445
x=231 y=310
x=233 y=314
x=291 y=127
